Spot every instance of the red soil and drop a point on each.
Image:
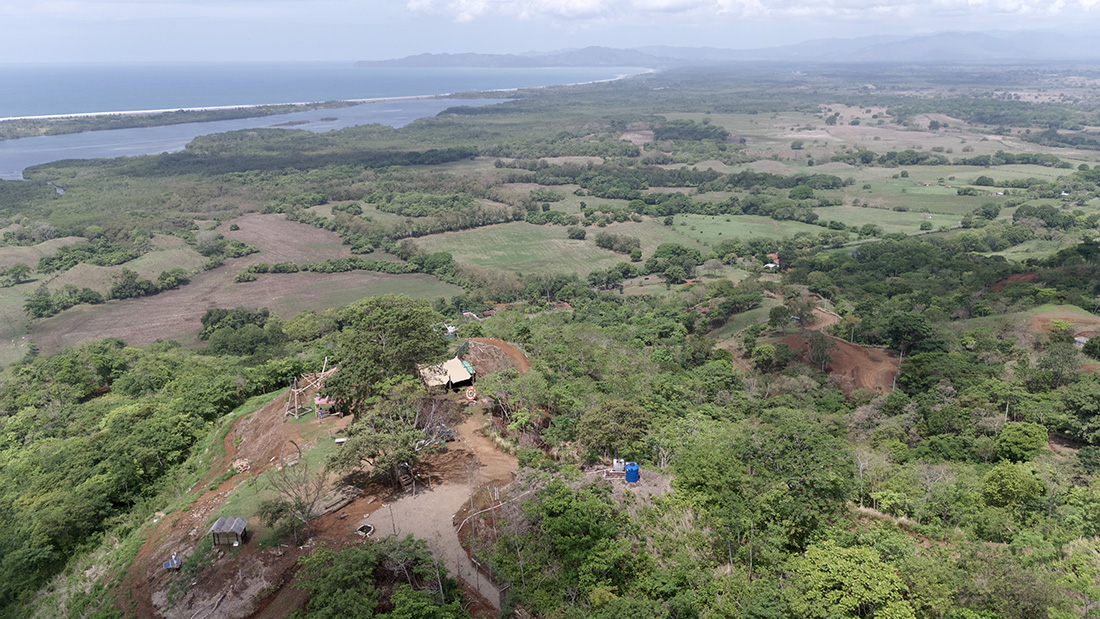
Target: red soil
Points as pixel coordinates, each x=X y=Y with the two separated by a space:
x=857 y=367
x=489 y=355
x=1012 y=279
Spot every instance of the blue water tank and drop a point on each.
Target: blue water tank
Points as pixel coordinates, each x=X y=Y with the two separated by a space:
x=632 y=472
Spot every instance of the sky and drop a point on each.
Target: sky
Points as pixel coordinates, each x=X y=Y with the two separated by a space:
x=67 y=31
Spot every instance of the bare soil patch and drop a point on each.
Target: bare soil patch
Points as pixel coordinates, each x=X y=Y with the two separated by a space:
x=1082 y=321
x=280 y=240
x=250 y=581
x=638 y=138
x=1012 y=279
x=175 y=314
x=857 y=367
x=490 y=355
x=233 y=582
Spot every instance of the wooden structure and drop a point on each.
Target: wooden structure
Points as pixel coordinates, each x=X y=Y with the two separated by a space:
x=451 y=374
x=300 y=400
x=229 y=531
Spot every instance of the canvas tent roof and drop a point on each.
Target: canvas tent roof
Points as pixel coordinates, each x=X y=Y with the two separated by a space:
x=229 y=525
x=450 y=371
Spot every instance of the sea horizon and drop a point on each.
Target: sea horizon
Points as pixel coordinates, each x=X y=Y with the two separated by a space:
x=42 y=91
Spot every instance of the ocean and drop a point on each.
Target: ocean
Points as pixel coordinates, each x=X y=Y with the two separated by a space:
x=43 y=90
x=27 y=90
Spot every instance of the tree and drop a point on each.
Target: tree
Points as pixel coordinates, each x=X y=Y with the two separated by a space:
x=613 y=427
x=1020 y=442
x=129 y=285
x=394 y=432
x=384 y=337
x=300 y=493
x=797 y=144
x=1092 y=347
x=1010 y=485
x=832 y=582
x=908 y=330
x=16 y=274
x=820 y=345
x=801 y=192
x=779 y=317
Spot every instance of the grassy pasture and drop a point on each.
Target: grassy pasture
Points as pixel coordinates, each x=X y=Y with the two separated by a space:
x=888 y=220
x=520 y=247
x=12 y=255
x=652 y=233
x=744 y=320
x=1035 y=248
x=715 y=229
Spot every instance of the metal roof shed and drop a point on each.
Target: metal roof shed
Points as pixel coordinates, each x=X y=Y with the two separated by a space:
x=229 y=531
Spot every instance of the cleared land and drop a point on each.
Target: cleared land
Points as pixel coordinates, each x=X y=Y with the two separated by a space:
x=888 y=220
x=175 y=314
x=262 y=571
x=520 y=247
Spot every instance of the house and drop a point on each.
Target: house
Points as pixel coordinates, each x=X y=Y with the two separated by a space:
x=231 y=531
x=451 y=374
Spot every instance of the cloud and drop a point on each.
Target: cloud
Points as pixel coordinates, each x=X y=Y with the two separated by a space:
x=644 y=10
x=126 y=10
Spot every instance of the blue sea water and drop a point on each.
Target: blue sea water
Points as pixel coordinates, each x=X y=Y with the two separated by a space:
x=27 y=90
x=38 y=90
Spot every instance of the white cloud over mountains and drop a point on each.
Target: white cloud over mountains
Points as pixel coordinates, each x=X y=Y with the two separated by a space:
x=628 y=10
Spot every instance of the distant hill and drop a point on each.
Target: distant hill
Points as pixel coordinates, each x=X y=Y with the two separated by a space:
x=941 y=47
x=587 y=57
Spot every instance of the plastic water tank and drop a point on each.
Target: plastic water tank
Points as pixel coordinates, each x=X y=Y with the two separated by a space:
x=632 y=472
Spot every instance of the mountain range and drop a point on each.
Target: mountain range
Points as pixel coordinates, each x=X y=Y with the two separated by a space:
x=941 y=47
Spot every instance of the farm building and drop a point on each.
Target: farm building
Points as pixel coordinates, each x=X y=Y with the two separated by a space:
x=451 y=374
x=230 y=531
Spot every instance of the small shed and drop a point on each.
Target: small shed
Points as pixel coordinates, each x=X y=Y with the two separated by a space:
x=229 y=531
x=451 y=374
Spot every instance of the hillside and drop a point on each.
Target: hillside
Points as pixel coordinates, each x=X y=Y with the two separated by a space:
x=839 y=322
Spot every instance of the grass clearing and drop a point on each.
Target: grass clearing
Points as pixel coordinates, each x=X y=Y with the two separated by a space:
x=1035 y=248
x=713 y=229
x=888 y=220
x=30 y=255
x=520 y=247
x=744 y=320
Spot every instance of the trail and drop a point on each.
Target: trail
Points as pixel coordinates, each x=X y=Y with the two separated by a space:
x=428 y=514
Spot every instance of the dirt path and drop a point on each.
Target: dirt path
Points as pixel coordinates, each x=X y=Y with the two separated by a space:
x=251 y=446
x=471 y=462
x=232 y=585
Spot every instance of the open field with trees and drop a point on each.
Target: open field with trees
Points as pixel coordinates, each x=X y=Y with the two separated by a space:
x=844 y=319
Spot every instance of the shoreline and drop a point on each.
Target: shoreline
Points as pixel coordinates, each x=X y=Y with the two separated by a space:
x=250 y=106
x=218 y=108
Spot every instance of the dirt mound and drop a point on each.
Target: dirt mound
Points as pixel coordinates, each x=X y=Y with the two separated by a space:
x=1012 y=279
x=857 y=367
x=490 y=355
x=1083 y=322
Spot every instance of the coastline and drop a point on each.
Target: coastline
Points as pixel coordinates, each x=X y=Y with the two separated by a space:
x=92 y=135
x=219 y=108
x=334 y=102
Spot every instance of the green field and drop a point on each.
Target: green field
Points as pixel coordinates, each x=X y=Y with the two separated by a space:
x=519 y=247
x=715 y=229
x=888 y=220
